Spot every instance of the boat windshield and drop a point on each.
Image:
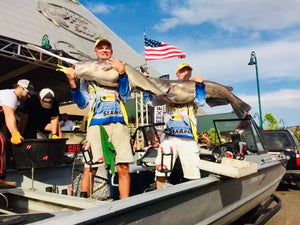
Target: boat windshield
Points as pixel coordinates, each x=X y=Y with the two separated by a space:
x=240 y=135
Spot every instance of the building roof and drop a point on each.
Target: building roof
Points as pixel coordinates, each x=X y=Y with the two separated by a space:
x=63 y=26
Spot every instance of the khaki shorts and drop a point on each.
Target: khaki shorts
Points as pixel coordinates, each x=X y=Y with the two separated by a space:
x=120 y=138
x=187 y=151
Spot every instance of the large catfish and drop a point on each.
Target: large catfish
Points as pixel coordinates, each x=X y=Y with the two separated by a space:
x=173 y=91
x=183 y=91
x=103 y=73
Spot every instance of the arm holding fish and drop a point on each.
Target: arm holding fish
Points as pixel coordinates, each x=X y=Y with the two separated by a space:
x=149 y=98
x=124 y=89
x=81 y=95
x=200 y=96
x=123 y=81
x=152 y=100
x=70 y=74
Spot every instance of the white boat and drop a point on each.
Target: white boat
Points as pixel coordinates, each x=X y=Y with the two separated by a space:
x=227 y=190
x=220 y=196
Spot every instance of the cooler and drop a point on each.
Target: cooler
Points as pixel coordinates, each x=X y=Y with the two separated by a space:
x=39 y=153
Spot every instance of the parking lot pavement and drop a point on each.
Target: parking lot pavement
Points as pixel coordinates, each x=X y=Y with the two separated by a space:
x=290 y=207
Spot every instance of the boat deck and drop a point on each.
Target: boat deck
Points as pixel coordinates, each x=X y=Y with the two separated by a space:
x=22 y=200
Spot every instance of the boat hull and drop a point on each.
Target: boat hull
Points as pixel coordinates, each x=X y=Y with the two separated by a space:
x=213 y=199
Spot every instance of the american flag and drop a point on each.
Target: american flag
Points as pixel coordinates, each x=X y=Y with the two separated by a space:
x=155 y=50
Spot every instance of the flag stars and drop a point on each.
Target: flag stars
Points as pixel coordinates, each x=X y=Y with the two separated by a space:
x=152 y=43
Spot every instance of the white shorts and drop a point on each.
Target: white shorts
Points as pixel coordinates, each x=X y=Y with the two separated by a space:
x=187 y=151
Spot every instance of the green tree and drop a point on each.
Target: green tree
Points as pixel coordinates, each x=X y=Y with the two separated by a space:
x=213 y=136
x=270 y=122
x=297 y=134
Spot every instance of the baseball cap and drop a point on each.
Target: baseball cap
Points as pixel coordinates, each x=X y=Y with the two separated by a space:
x=64 y=115
x=27 y=85
x=183 y=65
x=46 y=96
x=102 y=40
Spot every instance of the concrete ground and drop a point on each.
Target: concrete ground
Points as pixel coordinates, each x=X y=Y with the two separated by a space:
x=290 y=208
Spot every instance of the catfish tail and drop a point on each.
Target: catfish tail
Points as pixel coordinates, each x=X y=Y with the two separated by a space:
x=240 y=108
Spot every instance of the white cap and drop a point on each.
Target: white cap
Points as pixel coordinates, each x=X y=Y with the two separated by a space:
x=27 y=85
x=46 y=96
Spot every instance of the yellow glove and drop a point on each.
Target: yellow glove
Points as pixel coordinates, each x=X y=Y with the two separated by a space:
x=54 y=136
x=16 y=138
x=61 y=68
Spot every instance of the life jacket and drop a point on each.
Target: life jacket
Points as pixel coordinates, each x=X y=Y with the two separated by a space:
x=180 y=123
x=108 y=99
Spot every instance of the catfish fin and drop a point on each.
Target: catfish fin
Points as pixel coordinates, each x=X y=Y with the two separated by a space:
x=216 y=102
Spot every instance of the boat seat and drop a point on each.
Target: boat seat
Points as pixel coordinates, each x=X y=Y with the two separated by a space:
x=148 y=159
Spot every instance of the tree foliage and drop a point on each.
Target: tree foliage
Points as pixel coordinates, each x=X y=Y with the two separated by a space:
x=213 y=136
x=297 y=133
x=270 y=122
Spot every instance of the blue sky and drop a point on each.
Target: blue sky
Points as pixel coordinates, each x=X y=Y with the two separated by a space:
x=218 y=37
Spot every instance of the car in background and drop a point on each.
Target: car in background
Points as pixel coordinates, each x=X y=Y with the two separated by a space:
x=285 y=141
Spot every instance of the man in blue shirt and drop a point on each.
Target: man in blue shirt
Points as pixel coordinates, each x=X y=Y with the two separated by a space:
x=106 y=109
x=180 y=135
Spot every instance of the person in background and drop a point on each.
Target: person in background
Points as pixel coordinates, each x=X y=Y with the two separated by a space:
x=40 y=115
x=106 y=110
x=179 y=138
x=65 y=123
x=204 y=138
x=9 y=100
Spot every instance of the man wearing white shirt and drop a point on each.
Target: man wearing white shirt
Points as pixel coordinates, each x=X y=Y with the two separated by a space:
x=65 y=123
x=9 y=100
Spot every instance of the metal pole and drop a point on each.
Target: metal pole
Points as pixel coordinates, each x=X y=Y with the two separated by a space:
x=283 y=124
x=253 y=60
x=258 y=94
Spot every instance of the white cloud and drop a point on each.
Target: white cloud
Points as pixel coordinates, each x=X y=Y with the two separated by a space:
x=254 y=14
x=286 y=99
x=283 y=104
x=100 y=8
x=276 y=60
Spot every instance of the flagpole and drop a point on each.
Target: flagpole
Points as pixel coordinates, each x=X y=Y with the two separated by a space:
x=144 y=35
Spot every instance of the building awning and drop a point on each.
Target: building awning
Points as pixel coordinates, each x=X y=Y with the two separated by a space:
x=18 y=62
